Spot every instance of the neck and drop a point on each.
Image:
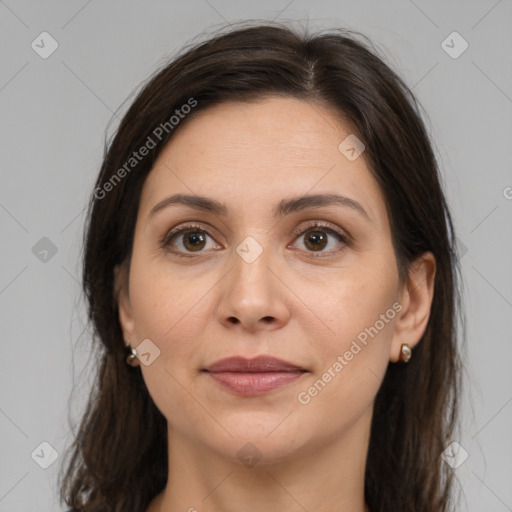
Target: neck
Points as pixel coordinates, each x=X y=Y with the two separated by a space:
x=326 y=477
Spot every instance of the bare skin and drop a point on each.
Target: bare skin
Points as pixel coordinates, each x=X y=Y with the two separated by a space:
x=297 y=301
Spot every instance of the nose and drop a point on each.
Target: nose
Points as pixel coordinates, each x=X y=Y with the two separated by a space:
x=253 y=296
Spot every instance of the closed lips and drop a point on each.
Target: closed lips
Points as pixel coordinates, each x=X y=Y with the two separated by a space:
x=261 y=364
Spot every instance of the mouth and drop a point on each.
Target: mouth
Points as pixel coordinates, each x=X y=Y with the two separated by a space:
x=252 y=377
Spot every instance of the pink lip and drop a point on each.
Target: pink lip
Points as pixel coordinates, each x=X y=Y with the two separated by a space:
x=250 y=377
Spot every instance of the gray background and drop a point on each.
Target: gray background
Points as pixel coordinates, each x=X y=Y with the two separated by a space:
x=54 y=115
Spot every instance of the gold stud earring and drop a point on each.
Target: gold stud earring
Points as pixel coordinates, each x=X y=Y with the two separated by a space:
x=405 y=353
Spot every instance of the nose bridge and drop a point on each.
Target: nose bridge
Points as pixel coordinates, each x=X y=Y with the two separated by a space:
x=251 y=278
x=252 y=293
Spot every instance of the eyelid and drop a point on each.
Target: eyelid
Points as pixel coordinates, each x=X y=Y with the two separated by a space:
x=165 y=240
x=322 y=224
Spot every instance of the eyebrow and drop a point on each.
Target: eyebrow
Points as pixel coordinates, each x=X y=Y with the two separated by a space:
x=284 y=207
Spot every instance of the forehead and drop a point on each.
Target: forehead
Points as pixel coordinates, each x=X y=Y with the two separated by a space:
x=259 y=152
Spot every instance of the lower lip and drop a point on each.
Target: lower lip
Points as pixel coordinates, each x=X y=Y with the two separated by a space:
x=256 y=383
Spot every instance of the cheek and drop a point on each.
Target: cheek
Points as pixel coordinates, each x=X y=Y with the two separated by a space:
x=170 y=378
x=346 y=382
x=176 y=327
x=166 y=305
x=357 y=301
x=172 y=396
x=353 y=354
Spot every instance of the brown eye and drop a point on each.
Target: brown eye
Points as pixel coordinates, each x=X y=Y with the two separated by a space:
x=317 y=237
x=193 y=240
x=186 y=240
x=316 y=240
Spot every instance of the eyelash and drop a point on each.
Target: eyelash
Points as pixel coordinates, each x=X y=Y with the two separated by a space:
x=165 y=241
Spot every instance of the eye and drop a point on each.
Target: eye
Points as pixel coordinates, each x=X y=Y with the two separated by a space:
x=317 y=238
x=192 y=239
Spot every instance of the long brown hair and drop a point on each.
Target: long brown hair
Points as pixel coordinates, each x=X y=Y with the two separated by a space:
x=118 y=461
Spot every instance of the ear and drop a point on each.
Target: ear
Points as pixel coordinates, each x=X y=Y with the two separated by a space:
x=122 y=298
x=416 y=300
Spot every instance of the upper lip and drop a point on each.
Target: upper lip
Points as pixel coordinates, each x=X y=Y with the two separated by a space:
x=258 y=364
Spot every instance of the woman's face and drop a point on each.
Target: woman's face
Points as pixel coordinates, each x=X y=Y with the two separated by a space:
x=258 y=279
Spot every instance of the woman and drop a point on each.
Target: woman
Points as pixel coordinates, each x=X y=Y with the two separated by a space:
x=269 y=249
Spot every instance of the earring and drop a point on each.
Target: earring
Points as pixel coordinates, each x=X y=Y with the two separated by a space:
x=405 y=353
x=133 y=354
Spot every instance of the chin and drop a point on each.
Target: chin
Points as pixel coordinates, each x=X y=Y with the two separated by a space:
x=261 y=439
